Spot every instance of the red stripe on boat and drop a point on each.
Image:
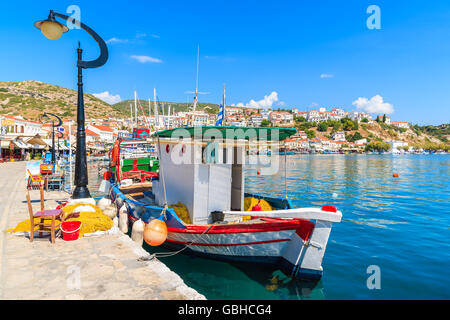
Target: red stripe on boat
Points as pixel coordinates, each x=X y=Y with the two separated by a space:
x=227 y=244
x=303 y=228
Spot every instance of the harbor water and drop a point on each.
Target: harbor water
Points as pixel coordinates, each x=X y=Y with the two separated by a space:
x=399 y=227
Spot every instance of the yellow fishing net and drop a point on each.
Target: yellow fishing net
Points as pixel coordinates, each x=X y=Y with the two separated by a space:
x=90 y=221
x=250 y=202
x=182 y=212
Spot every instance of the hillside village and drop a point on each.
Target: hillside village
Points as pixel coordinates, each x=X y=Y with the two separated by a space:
x=323 y=131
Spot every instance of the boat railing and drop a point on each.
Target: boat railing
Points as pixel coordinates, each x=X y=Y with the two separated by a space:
x=129 y=136
x=300 y=213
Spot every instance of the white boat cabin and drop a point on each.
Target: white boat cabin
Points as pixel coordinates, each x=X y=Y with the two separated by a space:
x=203 y=168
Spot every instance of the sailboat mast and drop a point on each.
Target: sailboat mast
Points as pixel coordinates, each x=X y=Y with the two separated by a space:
x=131 y=114
x=156 y=108
x=196 y=81
x=135 y=108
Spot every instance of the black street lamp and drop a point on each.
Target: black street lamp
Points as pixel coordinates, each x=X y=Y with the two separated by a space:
x=46 y=115
x=60 y=135
x=53 y=30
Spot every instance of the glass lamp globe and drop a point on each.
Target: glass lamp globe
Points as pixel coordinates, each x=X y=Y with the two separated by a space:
x=51 y=29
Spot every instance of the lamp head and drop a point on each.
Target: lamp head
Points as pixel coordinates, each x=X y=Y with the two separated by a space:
x=51 y=28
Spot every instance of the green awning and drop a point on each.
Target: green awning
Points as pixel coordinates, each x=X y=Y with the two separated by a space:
x=258 y=133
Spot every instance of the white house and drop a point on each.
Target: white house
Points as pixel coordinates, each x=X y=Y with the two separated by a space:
x=106 y=133
x=339 y=136
x=17 y=125
x=400 y=124
x=395 y=145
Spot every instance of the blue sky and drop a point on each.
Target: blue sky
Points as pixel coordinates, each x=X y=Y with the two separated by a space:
x=311 y=53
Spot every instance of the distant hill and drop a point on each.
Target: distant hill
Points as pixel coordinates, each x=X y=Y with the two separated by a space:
x=31 y=99
x=435 y=131
x=124 y=107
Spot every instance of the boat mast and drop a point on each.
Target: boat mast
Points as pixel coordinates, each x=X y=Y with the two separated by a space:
x=156 y=108
x=196 y=81
x=135 y=107
x=168 y=116
x=131 y=114
x=149 y=112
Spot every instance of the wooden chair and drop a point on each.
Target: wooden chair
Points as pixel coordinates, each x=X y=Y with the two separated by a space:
x=43 y=215
x=35 y=181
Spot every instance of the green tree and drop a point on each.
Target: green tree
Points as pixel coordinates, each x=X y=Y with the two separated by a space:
x=349 y=125
x=310 y=134
x=365 y=120
x=265 y=123
x=322 y=127
x=384 y=118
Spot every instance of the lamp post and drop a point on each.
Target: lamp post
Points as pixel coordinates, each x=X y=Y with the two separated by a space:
x=53 y=30
x=60 y=135
x=46 y=115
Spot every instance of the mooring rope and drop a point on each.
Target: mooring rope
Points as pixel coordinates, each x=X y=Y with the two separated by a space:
x=170 y=254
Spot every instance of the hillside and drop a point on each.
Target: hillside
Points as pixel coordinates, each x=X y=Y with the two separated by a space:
x=382 y=132
x=124 y=107
x=31 y=99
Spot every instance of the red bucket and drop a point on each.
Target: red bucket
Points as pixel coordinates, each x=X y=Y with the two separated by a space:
x=70 y=230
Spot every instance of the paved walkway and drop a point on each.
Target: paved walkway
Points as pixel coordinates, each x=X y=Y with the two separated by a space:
x=106 y=267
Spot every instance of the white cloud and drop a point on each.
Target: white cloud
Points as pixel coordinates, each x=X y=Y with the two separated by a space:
x=145 y=59
x=153 y=35
x=326 y=76
x=116 y=40
x=374 y=105
x=267 y=102
x=108 y=98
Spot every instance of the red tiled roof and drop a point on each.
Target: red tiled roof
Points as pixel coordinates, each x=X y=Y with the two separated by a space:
x=103 y=128
x=90 y=133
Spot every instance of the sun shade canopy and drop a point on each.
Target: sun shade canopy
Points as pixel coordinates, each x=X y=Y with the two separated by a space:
x=259 y=133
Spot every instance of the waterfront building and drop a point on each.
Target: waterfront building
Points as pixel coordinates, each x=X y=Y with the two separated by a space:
x=17 y=125
x=396 y=145
x=339 y=136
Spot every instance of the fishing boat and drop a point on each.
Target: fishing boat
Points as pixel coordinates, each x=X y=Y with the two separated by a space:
x=206 y=177
x=133 y=157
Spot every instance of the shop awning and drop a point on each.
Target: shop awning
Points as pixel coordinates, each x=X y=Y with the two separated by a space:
x=22 y=145
x=4 y=144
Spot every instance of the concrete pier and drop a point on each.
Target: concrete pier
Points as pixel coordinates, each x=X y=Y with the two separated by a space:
x=106 y=267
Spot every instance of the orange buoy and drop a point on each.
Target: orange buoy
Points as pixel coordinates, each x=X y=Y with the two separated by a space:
x=258 y=172
x=395 y=175
x=155 y=232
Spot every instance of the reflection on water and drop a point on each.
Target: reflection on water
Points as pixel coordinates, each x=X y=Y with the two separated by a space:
x=238 y=281
x=400 y=224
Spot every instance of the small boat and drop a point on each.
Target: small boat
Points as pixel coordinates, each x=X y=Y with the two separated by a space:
x=221 y=221
x=133 y=157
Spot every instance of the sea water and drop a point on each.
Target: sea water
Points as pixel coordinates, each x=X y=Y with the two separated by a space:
x=393 y=241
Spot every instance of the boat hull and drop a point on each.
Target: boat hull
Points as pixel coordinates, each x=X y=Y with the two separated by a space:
x=275 y=242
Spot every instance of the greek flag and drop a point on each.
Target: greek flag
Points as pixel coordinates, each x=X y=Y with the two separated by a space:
x=220 y=116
